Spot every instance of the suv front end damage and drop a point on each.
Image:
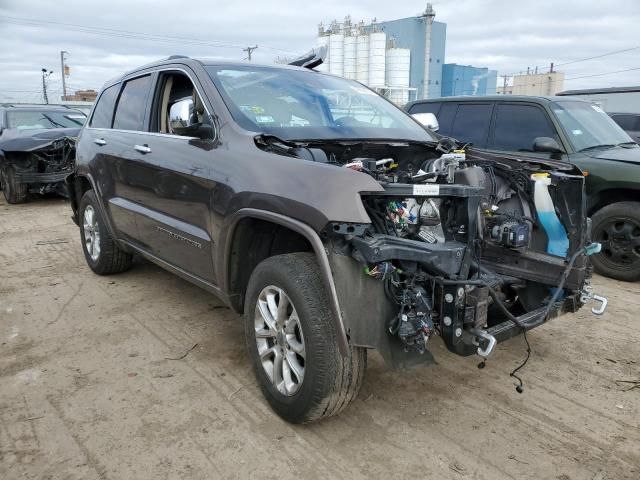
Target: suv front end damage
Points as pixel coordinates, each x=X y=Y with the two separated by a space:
x=44 y=167
x=473 y=248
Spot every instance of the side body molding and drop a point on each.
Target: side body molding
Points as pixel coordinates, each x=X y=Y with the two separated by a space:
x=318 y=247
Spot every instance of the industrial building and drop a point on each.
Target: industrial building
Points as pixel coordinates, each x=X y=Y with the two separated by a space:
x=402 y=59
x=534 y=83
x=614 y=99
x=467 y=80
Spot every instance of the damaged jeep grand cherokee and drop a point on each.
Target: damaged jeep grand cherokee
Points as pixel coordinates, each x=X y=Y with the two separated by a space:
x=327 y=216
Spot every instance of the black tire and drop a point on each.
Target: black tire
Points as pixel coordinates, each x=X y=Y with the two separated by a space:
x=110 y=258
x=330 y=381
x=13 y=191
x=617 y=227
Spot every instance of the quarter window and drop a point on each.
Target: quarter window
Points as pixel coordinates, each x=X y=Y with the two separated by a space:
x=627 y=122
x=425 y=108
x=472 y=124
x=103 y=113
x=517 y=126
x=132 y=104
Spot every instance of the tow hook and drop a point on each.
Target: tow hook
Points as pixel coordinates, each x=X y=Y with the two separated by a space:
x=603 y=305
x=588 y=295
x=491 y=342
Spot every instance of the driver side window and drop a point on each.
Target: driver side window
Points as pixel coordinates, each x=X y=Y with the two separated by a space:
x=179 y=110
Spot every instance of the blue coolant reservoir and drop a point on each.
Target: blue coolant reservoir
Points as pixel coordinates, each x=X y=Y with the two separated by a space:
x=558 y=241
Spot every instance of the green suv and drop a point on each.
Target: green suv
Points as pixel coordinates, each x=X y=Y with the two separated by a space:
x=564 y=129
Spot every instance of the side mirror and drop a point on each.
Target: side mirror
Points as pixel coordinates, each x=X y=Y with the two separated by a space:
x=428 y=120
x=547 y=145
x=184 y=121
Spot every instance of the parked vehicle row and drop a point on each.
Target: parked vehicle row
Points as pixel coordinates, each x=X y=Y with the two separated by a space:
x=567 y=130
x=332 y=220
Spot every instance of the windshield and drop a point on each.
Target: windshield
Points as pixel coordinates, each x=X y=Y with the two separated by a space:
x=588 y=126
x=32 y=119
x=306 y=105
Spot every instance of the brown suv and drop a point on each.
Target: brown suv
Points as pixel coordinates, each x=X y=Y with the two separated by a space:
x=326 y=215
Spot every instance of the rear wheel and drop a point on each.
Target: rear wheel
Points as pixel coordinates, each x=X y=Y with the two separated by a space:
x=292 y=341
x=102 y=253
x=14 y=192
x=617 y=228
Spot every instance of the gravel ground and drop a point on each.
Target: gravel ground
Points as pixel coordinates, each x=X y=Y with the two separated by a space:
x=90 y=388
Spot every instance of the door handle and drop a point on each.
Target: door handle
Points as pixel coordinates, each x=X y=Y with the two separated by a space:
x=100 y=141
x=142 y=148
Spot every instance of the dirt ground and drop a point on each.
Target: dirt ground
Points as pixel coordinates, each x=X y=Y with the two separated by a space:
x=90 y=386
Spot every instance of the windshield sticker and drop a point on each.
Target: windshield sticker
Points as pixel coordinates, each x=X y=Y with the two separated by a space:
x=576 y=132
x=426 y=189
x=264 y=119
x=597 y=108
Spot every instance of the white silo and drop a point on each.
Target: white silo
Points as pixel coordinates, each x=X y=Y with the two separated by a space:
x=362 y=58
x=336 y=50
x=323 y=41
x=350 y=67
x=397 y=74
x=377 y=51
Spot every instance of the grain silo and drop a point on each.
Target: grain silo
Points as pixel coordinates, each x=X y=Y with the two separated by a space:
x=397 y=74
x=336 y=50
x=377 y=60
x=362 y=57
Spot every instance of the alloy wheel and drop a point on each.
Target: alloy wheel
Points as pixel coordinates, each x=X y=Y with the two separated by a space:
x=279 y=340
x=91 y=233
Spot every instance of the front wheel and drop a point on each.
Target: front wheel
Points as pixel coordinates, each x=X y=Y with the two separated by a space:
x=292 y=341
x=617 y=228
x=14 y=191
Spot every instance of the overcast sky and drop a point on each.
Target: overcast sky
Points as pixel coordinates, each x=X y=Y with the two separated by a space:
x=505 y=35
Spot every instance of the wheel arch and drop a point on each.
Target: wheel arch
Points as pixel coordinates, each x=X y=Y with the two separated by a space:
x=236 y=267
x=611 y=195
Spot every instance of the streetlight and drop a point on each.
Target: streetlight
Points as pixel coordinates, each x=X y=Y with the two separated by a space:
x=45 y=74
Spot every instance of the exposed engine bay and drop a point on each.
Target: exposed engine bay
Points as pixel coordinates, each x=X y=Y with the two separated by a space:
x=472 y=247
x=42 y=167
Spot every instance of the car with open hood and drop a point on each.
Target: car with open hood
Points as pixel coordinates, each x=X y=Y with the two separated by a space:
x=328 y=217
x=37 y=149
x=564 y=129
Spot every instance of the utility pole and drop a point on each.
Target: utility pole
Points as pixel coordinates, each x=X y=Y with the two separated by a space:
x=45 y=74
x=249 y=51
x=504 y=84
x=63 y=72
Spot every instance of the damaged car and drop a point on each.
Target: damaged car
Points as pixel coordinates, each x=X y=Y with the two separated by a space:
x=37 y=149
x=329 y=218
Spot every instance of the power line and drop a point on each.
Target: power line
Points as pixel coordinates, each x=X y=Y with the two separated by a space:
x=126 y=33
x=606 y=54
x=558 y=80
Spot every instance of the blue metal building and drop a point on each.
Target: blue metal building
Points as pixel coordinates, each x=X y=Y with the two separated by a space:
x=411 y=33
x=468 y=80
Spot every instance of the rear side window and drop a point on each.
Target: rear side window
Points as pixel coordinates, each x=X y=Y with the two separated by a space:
x=628 y=122
x=431 y=107
x=132 y=104
x=472 y=124
x=517 y=126
x=445 y=118
x=103 y=113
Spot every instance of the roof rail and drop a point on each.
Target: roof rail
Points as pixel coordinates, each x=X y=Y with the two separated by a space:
x=7 y=105
x=175 y=57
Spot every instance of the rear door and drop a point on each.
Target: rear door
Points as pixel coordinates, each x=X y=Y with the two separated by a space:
x=471 y=123
x=124 y=144
x=101 y=148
